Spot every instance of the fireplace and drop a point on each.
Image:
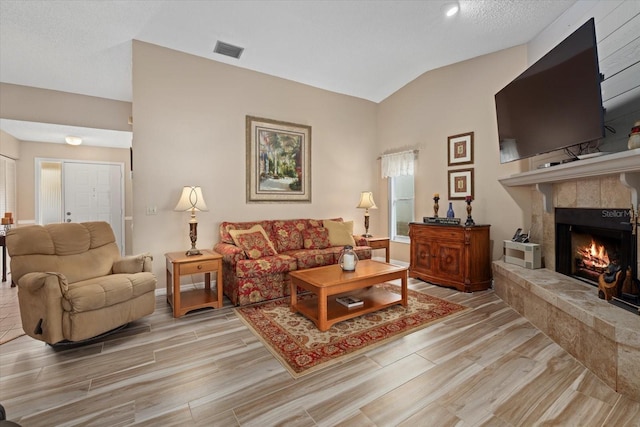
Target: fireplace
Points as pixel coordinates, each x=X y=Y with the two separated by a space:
x=598 y=246
x=599 y=334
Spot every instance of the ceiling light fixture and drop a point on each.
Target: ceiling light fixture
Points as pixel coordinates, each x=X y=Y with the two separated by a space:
x=451 y=8
x=73 y=140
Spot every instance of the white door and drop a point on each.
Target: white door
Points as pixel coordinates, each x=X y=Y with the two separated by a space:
x=93 y=192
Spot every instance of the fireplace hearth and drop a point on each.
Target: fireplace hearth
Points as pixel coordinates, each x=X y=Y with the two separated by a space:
x=601 y=335
x=597 y=246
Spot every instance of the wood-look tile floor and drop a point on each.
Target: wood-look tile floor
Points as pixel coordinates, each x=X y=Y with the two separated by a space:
x=10 y=324
x=486 y=367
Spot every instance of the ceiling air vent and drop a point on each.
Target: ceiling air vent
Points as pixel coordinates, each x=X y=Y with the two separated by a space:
x=228 y=49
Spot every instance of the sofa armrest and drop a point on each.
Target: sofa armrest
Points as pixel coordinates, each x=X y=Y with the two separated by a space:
x=360 y=241
x=230 y=253
x=133 y=264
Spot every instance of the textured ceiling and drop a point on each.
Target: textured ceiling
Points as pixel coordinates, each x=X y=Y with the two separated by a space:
x=45 y=132
x=367 y=49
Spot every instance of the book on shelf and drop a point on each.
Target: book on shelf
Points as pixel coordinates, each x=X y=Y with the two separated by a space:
x=350 y=302
x=440 y=220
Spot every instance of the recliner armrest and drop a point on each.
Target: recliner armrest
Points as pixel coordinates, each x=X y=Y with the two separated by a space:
x=133 y=264
x=34 y=281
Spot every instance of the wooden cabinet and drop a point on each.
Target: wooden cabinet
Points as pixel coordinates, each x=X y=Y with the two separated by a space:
x=451 y=255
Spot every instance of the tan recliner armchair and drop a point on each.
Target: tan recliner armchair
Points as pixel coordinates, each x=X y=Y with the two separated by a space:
x=72 y=282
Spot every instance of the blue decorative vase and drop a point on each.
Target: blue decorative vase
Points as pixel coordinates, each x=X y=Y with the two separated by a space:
x=450 y=213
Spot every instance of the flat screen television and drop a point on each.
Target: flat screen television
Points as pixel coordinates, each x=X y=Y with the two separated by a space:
x=556 y=103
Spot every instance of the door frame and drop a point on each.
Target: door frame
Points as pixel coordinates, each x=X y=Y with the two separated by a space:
x=37 y=167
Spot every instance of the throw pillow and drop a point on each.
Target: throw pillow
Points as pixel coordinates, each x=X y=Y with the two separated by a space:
x=315 y=238
x=288 y=234
x=254 y=242
x=340 y=233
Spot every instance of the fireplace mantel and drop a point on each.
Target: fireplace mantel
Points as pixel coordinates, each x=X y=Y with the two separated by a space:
x=626 y=164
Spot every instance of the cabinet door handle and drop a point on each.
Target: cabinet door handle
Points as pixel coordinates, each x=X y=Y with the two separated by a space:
x=199 y=267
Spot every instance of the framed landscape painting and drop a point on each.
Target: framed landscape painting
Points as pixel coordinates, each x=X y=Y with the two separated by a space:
x=460 y=184
x=278 y=161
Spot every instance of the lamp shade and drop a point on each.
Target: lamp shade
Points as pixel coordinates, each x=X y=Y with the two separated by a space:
x=366 y=201
x=191 y=199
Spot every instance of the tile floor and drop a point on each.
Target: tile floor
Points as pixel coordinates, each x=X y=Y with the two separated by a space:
x=10 y=324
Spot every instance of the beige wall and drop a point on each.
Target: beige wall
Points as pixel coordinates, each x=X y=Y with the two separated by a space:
x=9 y=146
x=51 y=106
x=450 y=101
x=25 y=167
x=189 y=129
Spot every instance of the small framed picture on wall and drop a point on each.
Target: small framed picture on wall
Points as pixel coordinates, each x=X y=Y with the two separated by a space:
x=460 y=150
x=460 y=184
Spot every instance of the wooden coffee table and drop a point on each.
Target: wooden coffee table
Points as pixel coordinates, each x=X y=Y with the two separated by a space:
x=330 y=281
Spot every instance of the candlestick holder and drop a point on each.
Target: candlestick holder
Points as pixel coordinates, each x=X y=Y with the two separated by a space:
x=7 y=222
x=469 y=220
x=435 y=207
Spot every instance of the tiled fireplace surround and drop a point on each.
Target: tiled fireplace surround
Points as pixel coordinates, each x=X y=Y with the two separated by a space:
x=605 y=338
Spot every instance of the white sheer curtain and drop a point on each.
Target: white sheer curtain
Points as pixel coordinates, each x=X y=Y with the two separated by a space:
x=397 y=164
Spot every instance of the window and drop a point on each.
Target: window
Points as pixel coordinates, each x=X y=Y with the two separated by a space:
x=401 y=205
x=398 y=168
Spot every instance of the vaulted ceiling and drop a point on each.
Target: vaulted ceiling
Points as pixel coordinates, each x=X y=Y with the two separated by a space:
x=365 y=48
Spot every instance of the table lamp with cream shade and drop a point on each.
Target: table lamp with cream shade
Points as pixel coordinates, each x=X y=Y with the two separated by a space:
x=192 y=200
x=366 y=203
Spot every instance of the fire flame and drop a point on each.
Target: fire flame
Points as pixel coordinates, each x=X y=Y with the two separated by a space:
x=594 y=255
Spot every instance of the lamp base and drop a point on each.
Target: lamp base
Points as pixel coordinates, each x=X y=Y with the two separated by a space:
x=193 y=235
x=367 y=235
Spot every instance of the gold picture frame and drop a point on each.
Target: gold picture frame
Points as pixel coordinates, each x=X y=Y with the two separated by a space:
x=460 y=149
x=278 y=161
x=461 y=184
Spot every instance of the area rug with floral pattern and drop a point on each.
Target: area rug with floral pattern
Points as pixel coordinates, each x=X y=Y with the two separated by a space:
x=301 y=348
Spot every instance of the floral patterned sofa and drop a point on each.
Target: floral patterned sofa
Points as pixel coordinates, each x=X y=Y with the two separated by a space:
x=258 y=255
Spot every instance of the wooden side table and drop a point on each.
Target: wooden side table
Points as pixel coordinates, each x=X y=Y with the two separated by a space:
x=379 y=243
x=179 y=264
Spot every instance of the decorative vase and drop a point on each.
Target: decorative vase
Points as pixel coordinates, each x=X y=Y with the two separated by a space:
x=348 y=259
x=634 y=136
x=435 y=206
x=450 y=213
